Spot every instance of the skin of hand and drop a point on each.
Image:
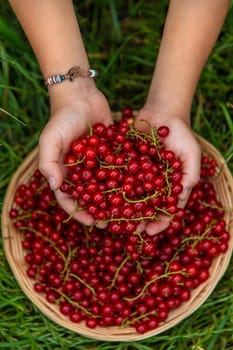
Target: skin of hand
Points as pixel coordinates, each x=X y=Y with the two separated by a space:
x=190 y=32
x=69 y=121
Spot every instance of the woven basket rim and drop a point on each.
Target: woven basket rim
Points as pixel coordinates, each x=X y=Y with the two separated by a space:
x=14 y=255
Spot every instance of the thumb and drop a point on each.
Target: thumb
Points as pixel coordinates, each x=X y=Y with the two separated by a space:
x=184 y=196
x=49 y=160
x=188 y=182
x=191 y=174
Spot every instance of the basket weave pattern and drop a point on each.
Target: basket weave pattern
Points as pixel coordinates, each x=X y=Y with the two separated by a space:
x=15 y=256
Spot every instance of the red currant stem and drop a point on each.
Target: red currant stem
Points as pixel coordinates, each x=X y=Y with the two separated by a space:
x=41 y=212
x=197 y=239
x=110 y=166
x=138 y=134
x=173 y=258
x=164 y=212
x=139 y=267
x=37 y=275
x=141 y=218
x=132 y=132
x=167 y=264
x=90 y=129
x=22 y=217
x=214 y=206
x=167 y=179
x=23 y=228
x=118 y=271
x=74 y=303
x=187 y=239
x=165 y=275
x=154 y=136
x=83 y=282
x=76 y=208
x=126 y=321
x=87 y=236
x=140 y=236
x=53 y=203
x=67 y=263
x=43 y=184
x=156 y=141
x=112 y=190
x=169 y=169
x=118 y=149
x=146 y=257
x=79 y=161
x=129 y=321
x=69 y=182
x=155 y=194
x=128 y=219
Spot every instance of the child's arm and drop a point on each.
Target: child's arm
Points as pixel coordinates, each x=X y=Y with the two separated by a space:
x=191 y=30
x=53 y=32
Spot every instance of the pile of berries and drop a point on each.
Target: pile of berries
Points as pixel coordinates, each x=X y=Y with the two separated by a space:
x=122 y=278
x=122 y=176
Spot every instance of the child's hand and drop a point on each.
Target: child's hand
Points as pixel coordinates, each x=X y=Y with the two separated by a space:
x=183 y=143
x=69 y=120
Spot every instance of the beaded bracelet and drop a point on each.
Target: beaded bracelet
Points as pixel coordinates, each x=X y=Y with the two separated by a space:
x=73 y=73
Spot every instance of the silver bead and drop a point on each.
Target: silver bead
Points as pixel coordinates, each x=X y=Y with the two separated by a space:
x=92 y=73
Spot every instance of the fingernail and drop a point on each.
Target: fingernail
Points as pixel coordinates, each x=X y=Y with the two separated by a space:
x=52 y=183
x=100 y=224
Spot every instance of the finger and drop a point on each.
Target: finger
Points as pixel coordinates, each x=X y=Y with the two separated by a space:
x=183 y=198
x=69 y=205
x=191 y=175
x=49 y=160
x=101 y=224
x=156 y=227
x=141 y=227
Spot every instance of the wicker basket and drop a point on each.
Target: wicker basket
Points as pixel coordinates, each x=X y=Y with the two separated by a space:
x=15 y=256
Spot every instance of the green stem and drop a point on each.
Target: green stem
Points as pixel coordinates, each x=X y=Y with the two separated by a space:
x=196 y=240
x=79 y=161
x=214 y=206
x=155 y=194
x=117 y=272
x=141 y=218
x=165 y=275
x=128 y=322
x=112 y=190
x=84 y=283
x=76 y=208
x=46 y=239
x=139 y=134
x=74 y=303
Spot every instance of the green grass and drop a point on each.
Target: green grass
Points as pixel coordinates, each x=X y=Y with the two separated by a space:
x=122 y=38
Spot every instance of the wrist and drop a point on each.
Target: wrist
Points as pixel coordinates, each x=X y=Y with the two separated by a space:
x=79 y=89
x=169 y=105
x=163 y=113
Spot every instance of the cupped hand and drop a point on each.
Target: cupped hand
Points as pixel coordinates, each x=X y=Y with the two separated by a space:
x=70 y=119
x=183 y=143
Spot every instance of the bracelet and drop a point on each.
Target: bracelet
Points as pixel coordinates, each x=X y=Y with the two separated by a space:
x=73 y=73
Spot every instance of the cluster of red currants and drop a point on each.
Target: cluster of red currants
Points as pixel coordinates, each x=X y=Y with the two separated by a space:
x=122 y=176
x=120 y=277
